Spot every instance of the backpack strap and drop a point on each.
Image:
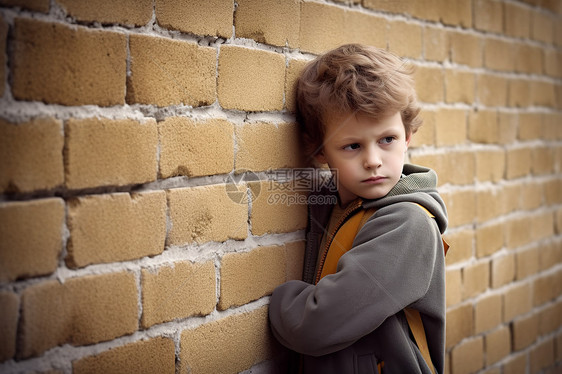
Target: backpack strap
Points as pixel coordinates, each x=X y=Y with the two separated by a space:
x=343 y=241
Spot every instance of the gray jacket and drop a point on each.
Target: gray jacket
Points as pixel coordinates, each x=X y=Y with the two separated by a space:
x=353 y=319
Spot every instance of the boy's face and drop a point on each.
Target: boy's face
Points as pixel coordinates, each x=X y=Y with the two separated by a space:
x=368 y=154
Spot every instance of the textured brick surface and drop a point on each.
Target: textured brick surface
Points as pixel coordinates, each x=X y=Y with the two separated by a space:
x=170 y=72
x=205 y=349
x=31 y=235
x=102 y=152
x=405 y=39
x=294 y=69
x=148 y=356
x=294 y=259
x=450 y=127
x=219 y=219
x=517 y=20
x=261 y=146
x=185 y=149
x=503 y=270
x=524 y=331
x=320 y=26
x=489 y=239
x=488 y=313
x=277 y=209
x=9 y=309
x=81 y=311
x=489 y=16
x=31 y=154
x=250 y=79
x=498 y=345
x=212 y=17
x=115 y=227
x=468 y=357
x=476 y=279
x=184 y=290
x=460 y=324
x=429 y=83
x=453 y=280
x=70 y=66
x=250 y=275
x=36 y=5
x=270 y=21
x=466 y=49
x=366 y=29
x=460 y=86
x=129 y=12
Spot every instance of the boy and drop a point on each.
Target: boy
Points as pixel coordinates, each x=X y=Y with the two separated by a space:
x=358 y=110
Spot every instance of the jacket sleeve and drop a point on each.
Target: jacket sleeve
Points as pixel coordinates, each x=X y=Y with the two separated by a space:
x=389 y=267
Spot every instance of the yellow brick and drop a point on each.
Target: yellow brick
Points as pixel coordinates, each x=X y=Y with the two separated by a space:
x=460 y=86
x=550 y=254
x=450 y=126
x=9 y=313
x=277 y=208
x=519 y=92
x=543 y=226
x=543 y=94
x=45 y=54
x=508 y=123
x=390 y=6
x=81 y=311
x=488 y=16
x=489 y=239
x=528 y=59
x=426 y=133
x=263 y=146
x=405 y=39
x=519 y=161
x=542 y=26
x=429 y=82
x=542 y=355
x=248 y=276
x=207 y=213
x=461 y=207
x=553 y=63
x=498 y=345
x=213 y=17
x=499 y=54
x=102 y=152
x=543 y=161
x=205 y=349
x=185 y=148
x=490 y=165
x=455 y=12
x=550 y=318
x=459 y=324
x=156 y=355
x=517 y=20
x=553 y=192
x=454 y=287
x=460 y=168
x=436 y=44
x=461 y=246
x=531 y=126
x=365 y=29
x=31 y=235
x=270 y=21
x=487 y=313
x=546 y=288
x=466 y=49
x=489 y=204
x=483 y=126
x=294 y=254
x=552 y=130
x=129 y=12
x=170 y=72
x=250 y=79
x=492 y=90
x=115 y=227
x=31 y=154
x=321 y=27
x=516 y=364
x=517 y=301
x=468 y=357
x=179 y=291
x=517 y=232
x=524 y=331
x=527 y=262
x=34 y=5
x=503 y=270
x=293 y=72
x=476 y=279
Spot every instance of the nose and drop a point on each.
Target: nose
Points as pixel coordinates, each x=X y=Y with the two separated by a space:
x=372 y=158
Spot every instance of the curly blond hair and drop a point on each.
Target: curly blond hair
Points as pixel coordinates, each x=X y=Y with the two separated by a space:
x=354 y=78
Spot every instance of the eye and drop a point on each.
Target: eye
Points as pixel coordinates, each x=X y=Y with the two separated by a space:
x=351 y=147
x=387 y=140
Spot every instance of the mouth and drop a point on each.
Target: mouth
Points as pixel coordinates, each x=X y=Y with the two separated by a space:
x=374 y=180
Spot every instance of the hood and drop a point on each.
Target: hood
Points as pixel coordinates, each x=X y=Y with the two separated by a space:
x=418 y=185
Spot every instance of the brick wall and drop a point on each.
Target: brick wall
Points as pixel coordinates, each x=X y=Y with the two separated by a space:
x=141 y=228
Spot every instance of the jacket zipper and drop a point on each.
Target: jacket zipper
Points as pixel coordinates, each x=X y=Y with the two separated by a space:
x=352 y=208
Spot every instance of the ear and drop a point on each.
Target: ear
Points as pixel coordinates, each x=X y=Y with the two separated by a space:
x=320 y=158
x=408 y=138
